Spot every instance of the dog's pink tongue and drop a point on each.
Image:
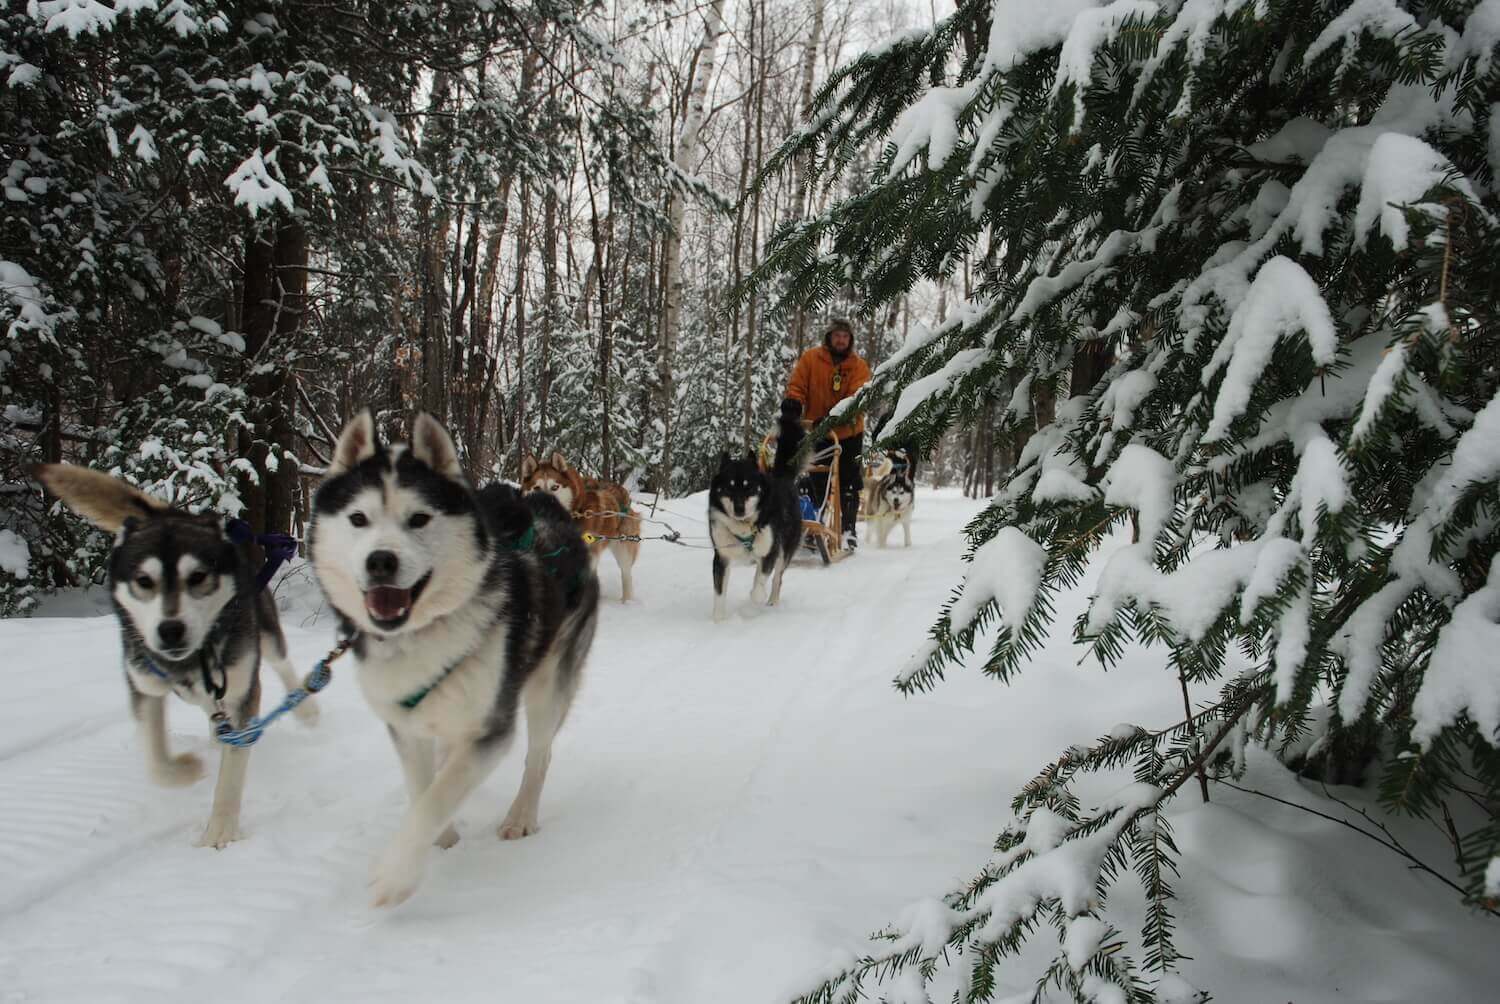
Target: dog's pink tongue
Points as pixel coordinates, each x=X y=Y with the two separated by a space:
x=386 y=603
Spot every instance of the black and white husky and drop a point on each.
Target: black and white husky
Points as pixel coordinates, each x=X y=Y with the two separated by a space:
x=754 y=517
x=895 y=496
x=191 y=621
x=465 y=607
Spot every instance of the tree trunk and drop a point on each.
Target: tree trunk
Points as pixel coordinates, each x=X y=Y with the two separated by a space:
x=523 y=251
x=433 y=222
x=550 y=312
x=1091 y=360
x=802 y=167
x=752 y=315
x=274 y=298
x=672 y=281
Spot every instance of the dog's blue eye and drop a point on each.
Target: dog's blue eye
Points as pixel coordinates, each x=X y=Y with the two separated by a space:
x=359 y=519
x=418 y=520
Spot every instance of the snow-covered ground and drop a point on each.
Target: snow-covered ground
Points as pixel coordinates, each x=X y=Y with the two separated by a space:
x=730 y=807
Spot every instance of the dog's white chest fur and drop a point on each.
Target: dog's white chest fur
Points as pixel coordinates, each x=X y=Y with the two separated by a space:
x=730 y=536
x=440 y=681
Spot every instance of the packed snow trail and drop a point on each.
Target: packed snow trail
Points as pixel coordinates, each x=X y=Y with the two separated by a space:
x=729 y=807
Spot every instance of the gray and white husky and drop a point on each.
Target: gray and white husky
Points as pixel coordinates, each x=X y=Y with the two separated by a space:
x=191 y=622
x=464 y=607
x=895 y=496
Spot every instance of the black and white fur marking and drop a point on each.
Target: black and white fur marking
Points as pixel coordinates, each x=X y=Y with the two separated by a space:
x=191 y=622
x=754 y=518
x=463 y=617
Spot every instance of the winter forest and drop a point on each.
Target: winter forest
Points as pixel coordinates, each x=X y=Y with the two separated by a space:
x=1187 y=307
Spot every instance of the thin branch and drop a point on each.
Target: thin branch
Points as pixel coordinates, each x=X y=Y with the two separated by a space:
x=1390 y=843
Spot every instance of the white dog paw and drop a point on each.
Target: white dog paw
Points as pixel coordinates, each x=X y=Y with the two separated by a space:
x=721 y=613
x=178 y=771
x=518 y=825
x=758 y=596
x=219 y=833
x=447 y=838
x=396 y=876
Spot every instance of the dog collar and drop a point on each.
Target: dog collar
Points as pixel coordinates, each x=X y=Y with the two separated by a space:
x=154 y=669
x=214 y=690
x=747 y=542
x=411 y=701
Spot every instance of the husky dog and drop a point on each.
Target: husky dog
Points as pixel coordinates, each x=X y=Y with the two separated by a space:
x=602 y=509
x=877 y=465
x=754 y=517
x=895 y=497
x=464 y=607
x=191 y=623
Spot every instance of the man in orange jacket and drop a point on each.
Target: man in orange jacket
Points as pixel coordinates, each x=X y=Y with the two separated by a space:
x=823 y=377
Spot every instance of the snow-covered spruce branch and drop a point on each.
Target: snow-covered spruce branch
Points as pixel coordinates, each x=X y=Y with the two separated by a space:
x=1055 y=865
x=1233 y=268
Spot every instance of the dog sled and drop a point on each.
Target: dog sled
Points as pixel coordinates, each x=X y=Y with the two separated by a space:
x=822 y=519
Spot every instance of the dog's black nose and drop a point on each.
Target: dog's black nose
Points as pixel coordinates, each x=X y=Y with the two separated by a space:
x=382 y=565
x=171 y=633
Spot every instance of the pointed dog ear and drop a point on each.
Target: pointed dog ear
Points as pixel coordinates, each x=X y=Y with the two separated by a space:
x=559 y=461
x=723 y=459
x=528 y=466
x=431 y=444
x=356 y=443
x=104 y=501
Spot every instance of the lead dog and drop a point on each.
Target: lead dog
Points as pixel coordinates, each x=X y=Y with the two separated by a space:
x=464 y=608
x=191 y=624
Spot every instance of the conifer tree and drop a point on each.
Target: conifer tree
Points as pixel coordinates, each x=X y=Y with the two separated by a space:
x=175 y=172
x=1237 y=287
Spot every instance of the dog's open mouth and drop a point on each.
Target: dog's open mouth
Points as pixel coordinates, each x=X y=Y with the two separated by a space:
x=390 y=606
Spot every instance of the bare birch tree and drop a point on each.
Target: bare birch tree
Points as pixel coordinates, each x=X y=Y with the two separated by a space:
x=685 y=159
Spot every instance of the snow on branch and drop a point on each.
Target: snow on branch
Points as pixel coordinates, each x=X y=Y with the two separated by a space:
x=1190 y=600
x=1019 y=28
x=1282 y=301
x=1006 y=570
x=1143 y=480
x=934 y=385
x=931 y=122
x=1380 y=17
x=254 y=188
x=1460 y=676
x=1090 y=31
x=1336 y=162
x=24 y=293
x=1476 y=459
x=1402 y=170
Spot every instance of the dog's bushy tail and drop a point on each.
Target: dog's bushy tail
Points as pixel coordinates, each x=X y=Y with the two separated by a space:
x=788 y=441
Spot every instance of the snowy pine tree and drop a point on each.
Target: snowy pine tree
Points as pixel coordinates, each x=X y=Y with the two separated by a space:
x=213 y=213
x=1237 y=288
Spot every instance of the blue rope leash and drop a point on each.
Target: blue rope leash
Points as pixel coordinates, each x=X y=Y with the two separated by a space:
x=319 y=678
